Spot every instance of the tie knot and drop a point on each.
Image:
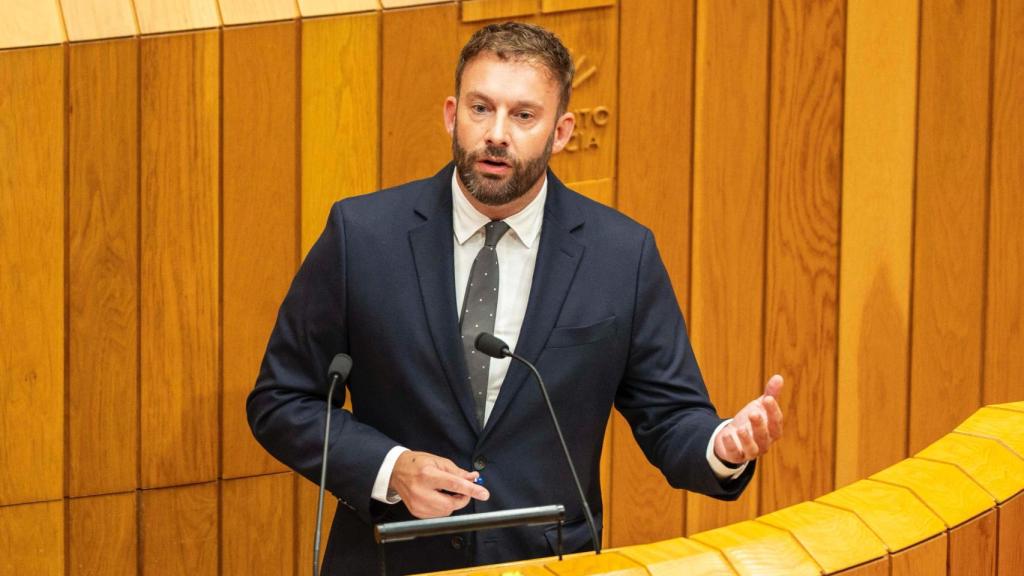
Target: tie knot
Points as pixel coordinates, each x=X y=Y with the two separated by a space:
x=494 y=231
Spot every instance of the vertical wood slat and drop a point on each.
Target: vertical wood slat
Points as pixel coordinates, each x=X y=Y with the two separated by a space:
x=32 y=539
x=1004 y=338
x=972 y=546
x=102 y=537
x=414 y=143
x=178 y=531
x=103 y=268
x=159 y=16
x=803 y=220
x=660 y=198
x=25 y=23
x=180 y=249
x=730 y=157
x=257 y=525
x=949 y=228
x=877 y=221
x=98 y=19
x=305 y=499
x=235 y=12
x=32 y=274
x=310 y=8
x=340 y=115
x=928 y=558
x=1011 y=526
x=260 y=203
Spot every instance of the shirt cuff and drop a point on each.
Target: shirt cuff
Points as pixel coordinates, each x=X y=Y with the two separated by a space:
x=380 y=485
x=721 y=470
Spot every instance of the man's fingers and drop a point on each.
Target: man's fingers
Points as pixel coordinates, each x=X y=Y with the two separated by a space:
x=759 y=426
x=456 y=484
x=747 y=444
x=774 y=412
x=774 y=386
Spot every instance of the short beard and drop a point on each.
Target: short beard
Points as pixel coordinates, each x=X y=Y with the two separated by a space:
x=492 y=190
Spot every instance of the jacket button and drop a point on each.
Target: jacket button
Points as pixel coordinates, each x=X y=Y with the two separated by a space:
x=458 y=542
x=479 y=463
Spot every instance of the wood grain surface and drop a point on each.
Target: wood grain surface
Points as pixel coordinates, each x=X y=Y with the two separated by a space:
x=178 y=531
x=1004 y=326
x=925 y=559
x=949 y=231
x=25 y=23
x=753 y=548
x=98 y=19
x=564 y=5
x=659 y=198
x=32 y=275
x=730 y=156
x=260 y=218
x=32 y=539
x=257 y=525
x=836 y=539
x=802 y=255
x=180 y=252
x=898 y=517
x=157 y=16
x=988 y=462
x=235 y=12
x=972 y=546
x=413 y=140
x=877 y=221
x=103 y=533
x=476 y=10
x=944 y=488
x=103 y=268
x=340 y=114
x=1011 y=527
x=326 y=7
x=678 y=556
x=305 y=518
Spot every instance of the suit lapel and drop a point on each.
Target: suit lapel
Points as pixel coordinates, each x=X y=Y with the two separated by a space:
x=433 y=253
x=558 y=256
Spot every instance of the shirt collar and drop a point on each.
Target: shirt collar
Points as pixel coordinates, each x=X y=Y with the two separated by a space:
x=526 y=223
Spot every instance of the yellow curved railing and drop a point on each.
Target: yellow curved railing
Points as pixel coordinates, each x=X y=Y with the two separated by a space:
x=956 y=507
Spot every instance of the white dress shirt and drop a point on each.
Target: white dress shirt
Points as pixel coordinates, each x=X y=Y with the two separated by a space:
x=517 y=256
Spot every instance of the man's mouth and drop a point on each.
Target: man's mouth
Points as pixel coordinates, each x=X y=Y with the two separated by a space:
x=494 y=165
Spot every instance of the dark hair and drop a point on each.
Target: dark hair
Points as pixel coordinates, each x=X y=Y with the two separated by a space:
x=519 y=41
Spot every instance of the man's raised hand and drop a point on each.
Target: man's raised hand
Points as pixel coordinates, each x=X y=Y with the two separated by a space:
x=754 y=428
x=432 y=486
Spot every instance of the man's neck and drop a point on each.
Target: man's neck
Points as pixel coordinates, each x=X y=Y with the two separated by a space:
x=502 y=211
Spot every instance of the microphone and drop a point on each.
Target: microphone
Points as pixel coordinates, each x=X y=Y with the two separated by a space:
x=496 y=348
x=336 y=372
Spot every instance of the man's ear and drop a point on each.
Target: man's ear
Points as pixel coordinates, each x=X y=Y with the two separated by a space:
x=451 y=106
x=563 y=131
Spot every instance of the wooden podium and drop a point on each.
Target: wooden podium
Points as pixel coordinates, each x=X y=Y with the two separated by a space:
x=956 y=507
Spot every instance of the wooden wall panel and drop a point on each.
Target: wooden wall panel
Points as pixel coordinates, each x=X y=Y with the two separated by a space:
x=660 y=198
x=102 y=537
x=972 y=546
x=260 y=218
x=414 y=143
x=30 y=23
x=32 y=274
x=1004 y=335
x=305 y=500
x=877 y=211
x=340 y=115
x=157 y=16
x=235 y=12
x=103 y=203
x=803 y=220
x=476 y=10
x=1011 y=526
x=96 y=19
x=180 y=229
x=730 y=156
x=928 y=558
x=949 y=233
x=257 y=525
x=32 y=539
x=179 y=531
x=324 y=7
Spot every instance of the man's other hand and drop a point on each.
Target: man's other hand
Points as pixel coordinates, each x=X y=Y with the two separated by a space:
x=431 y=486
x=753 y=429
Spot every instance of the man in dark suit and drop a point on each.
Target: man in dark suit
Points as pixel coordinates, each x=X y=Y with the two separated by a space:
x=402 y=280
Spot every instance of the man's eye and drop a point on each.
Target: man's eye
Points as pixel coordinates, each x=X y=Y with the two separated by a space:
x=478 y=108
x=525 y=115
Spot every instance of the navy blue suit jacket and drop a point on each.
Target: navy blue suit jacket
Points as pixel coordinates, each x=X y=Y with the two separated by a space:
x=602 y=326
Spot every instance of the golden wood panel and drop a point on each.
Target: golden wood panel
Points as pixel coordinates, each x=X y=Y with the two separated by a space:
x=608 y=563
x=96 y=19
x=992 y=465
x=103 y=237
x=1007 y=426
x=305 y=499
x=251 y=11
x=835 y=538
x=877 y=218
x=563 y=5
x=1011 y=528
x=730 y=154
x=972 y=547
x=325 y=7
x=178 y=531
x=156 y=16
x=260 y=204
x=26 y=23
x=944 y=488
x=32 y=278
x=753 y=548
x=1012 y=406
x=1004 y=339
x=602 y=190
x=102 y=535
x=257 y=531
x=898 y=517
x=414 y=143
x=880 y=567
x=389 y=4
x=340 y=115
x=925 y=559
x=180 y=214
x=949 y=229
x=476 y=10
x=678 y=556
x=802 y=259
x=32 y=539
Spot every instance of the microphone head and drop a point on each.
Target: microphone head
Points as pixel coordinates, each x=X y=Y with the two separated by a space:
x=340 y=367
x=491 y=345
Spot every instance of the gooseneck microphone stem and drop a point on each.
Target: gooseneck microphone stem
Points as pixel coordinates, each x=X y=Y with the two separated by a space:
x=323 y=477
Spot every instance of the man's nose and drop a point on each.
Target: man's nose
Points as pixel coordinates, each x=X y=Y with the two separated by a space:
x=497 y=133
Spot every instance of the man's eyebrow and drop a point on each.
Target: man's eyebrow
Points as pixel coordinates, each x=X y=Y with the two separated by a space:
x=516 y=104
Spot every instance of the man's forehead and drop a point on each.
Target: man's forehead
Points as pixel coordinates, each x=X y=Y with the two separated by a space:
x=516 y=64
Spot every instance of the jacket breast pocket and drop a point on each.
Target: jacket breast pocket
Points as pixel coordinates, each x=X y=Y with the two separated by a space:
x=578 y=335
